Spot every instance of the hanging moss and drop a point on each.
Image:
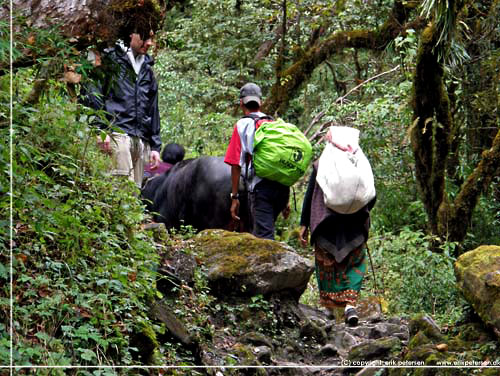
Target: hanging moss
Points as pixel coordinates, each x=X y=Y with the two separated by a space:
x=428 y=96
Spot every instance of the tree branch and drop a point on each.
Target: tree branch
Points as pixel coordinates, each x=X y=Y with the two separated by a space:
x=341 y=99
x=317 y=118
x=293 y=77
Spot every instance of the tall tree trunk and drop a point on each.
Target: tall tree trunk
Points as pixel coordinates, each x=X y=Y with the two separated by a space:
x=431 y=127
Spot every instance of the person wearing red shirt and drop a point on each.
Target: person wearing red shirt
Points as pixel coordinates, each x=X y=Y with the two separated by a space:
x=267 y=198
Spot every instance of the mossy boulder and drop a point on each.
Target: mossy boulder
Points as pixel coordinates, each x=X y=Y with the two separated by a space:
x=241 y=264
x=245 y=356
x=381 y=348
x=478 y=277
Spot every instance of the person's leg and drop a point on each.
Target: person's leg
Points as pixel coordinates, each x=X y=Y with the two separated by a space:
x=280 y=200
x=268 y=201
x=121 y=154
x=355 y=271
x=263 y=211
x=339 y=284
x=140 y=156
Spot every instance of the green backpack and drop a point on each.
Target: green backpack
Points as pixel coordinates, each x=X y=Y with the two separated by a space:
x=281 y=152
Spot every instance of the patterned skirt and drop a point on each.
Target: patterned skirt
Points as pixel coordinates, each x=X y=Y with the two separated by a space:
x=339 y=283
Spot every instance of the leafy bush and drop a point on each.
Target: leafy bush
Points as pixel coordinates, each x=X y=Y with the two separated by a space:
x=414 y=278
x=83 y=272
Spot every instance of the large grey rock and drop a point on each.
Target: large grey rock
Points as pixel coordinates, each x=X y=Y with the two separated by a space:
x=319 y=317
x=344 y=341
x=240 y=263
x=385 y=329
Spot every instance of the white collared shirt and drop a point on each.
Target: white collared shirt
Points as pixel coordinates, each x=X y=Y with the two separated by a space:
x=136 y=61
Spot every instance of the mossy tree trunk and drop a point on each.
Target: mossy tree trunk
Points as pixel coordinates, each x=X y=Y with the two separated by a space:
x=430 y=134
x=431 y=137
x=291 y=78
x=455 y=220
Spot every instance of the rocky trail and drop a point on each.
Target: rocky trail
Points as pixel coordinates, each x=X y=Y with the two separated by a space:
x=248 y=319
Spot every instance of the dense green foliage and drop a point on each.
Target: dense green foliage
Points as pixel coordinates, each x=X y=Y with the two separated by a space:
x=84 y=271
x=419 y=280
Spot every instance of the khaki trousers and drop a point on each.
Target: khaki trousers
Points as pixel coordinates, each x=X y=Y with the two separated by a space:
x=130 y=154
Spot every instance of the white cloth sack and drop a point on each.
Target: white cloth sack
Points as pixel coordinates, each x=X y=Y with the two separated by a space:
x=344 y=173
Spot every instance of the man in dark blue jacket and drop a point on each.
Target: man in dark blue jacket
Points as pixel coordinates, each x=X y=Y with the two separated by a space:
x=126 y=89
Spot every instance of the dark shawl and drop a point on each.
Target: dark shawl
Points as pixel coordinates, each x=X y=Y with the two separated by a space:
x=336 y=233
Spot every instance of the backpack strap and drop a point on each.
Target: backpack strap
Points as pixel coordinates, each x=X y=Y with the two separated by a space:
x=256 y=118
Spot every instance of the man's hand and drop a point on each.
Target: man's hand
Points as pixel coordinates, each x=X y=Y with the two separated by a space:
x=303 y=235
x=154 y=159
x=235 y=180
x=104 y=145
x=235 y=207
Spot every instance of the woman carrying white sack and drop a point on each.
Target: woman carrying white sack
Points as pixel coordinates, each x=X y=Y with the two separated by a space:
x=336 y=212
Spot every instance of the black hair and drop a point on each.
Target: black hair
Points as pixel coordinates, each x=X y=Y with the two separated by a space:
x=172 y=153
x=252 y=105
x=135 y=25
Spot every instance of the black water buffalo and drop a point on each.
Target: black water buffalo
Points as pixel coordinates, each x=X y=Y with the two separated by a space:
x=194 y=192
